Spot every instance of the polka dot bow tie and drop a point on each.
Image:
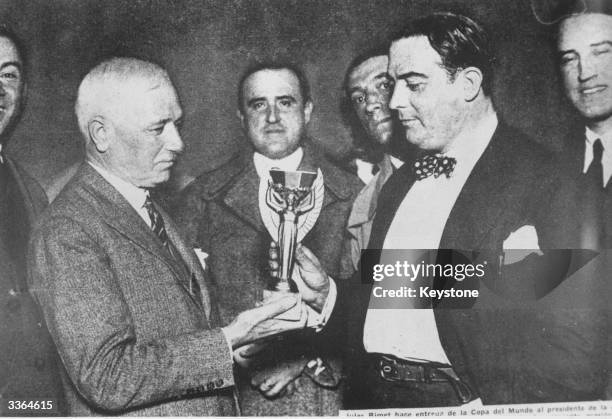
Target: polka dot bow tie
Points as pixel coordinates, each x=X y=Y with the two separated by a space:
x=431 y=164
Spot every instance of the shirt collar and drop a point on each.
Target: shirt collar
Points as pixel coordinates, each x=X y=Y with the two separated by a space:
x=135 y=196
x=263 y=164
x=606 y=139
x=397 y=163
x=468 y=148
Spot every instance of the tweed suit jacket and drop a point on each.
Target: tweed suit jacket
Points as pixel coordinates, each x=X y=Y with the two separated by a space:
x=219 y=212
x=508 y=351
x=132 y=338
x=28 y=361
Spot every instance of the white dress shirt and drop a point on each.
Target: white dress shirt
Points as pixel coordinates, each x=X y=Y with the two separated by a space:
x=418 y=224
x=135 y=196
x=606 y=158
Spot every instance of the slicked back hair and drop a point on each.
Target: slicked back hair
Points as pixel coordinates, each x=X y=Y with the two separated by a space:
x=460 y=42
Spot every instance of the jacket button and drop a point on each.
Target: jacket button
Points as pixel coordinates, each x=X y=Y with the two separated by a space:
x=219 y=382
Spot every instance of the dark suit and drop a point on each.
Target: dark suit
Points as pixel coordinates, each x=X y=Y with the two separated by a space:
x=219 y=212
x=132 y=337
x=28 y=361
x=512 y=185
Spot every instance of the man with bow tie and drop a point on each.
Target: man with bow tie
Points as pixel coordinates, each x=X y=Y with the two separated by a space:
x=477 y=184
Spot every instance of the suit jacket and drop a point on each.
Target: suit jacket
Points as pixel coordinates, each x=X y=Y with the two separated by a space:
x=28 y=361
x=501 y=347
x=364 y=208
x=132 y=338
x=219 y=212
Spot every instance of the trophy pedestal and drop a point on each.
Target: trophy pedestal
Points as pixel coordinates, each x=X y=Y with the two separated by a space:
x=294 y=313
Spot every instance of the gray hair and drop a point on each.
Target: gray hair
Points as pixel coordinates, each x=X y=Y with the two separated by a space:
x=106 y=83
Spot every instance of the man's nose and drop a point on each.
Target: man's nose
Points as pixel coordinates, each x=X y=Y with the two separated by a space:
x=586 y=69
x=373 y=103
x=173 y=139
x=272 y=115
x=398 y=98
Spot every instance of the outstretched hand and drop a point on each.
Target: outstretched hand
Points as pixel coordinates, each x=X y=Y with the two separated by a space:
x=310 y=277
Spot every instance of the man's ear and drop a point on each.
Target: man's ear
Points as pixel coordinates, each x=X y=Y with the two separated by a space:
x=308 y=107
x=98 y=133
x=472 y=82
x=240 y=116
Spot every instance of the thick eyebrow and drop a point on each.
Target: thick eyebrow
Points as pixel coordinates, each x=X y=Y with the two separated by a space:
x=383 y=75
x=598 y=44
x=594 y=45
x=285 y=97
x=411 y=74
x=16 y=64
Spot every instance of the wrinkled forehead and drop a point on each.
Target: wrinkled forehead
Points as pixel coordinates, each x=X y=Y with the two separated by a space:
x=271 y=83
x=584 y=29
x=367 y=71
x=143 y=95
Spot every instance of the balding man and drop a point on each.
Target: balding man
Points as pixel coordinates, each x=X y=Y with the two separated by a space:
x=126 y=301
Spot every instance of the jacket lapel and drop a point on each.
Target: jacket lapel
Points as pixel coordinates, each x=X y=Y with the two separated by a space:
x=243 y=196
x=191 y=261
x=474 y=214
x=121 y=217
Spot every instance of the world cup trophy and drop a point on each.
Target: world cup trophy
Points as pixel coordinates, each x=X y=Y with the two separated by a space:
x=293 y=201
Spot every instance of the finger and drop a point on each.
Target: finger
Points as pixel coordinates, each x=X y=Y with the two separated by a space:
x=308 y=258
x=277 y=387
x=252 y=349
x=272 y=309
x=258 y=379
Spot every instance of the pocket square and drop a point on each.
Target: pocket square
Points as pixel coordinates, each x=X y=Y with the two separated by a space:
x=525 y=238
x=202 y=256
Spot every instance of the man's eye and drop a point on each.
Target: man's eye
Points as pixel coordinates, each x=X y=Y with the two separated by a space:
x=286 y=103
x=357 y=99
x=158 y=130
x=600 y=51
x=414 y=86
x=10 y=76
x=567 y=59
x=258 y=106
x=387 y=85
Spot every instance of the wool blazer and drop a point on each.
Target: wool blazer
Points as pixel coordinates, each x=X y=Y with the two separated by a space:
x=132 y=338
x=508 y=351
x=28 y=361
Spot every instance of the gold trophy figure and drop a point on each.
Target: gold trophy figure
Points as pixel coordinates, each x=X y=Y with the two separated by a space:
x=290 y=195
x=289 y=204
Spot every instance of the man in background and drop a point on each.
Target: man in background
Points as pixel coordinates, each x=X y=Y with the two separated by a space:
x=28 y=362
x=368 y=87
x=584 y=47
x=220 y=211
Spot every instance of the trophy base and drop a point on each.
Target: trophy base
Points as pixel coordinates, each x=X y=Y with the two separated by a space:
x=294 y=313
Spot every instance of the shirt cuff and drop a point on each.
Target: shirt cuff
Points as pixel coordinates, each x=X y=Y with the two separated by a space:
x=317 y=320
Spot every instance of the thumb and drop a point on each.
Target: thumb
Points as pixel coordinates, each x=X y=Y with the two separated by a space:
x=273 y=308
x=306 y=259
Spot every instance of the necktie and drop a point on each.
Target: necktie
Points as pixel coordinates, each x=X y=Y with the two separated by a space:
x=159 y=228
x=435 y=165
x=595 y=170
x=157 y=222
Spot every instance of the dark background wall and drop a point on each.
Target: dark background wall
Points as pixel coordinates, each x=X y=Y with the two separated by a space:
x=206 y=44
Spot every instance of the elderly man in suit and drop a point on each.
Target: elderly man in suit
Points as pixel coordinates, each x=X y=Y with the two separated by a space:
x=477 y=185
x=221 y=211
x=131 y=311
x=28 y=362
